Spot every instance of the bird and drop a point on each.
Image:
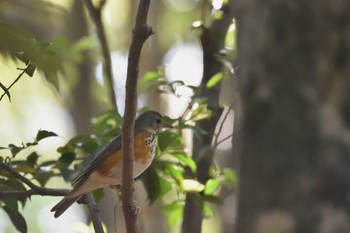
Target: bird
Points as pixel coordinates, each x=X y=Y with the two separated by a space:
x=106 y=167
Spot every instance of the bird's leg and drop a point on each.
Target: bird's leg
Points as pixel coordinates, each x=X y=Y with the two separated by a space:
x=137 y=209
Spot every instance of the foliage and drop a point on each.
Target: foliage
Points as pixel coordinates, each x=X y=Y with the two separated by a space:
x=173 y=173
x=173 y=169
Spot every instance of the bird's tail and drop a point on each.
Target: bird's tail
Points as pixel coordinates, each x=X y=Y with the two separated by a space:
x=64 y=204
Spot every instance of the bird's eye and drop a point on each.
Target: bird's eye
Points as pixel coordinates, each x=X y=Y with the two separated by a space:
x=159 y=121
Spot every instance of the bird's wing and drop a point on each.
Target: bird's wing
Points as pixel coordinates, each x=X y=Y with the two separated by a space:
x=114 y=145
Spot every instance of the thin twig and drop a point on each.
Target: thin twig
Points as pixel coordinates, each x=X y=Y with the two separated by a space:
x=16 y=80
x=94 y=213
x=37 y=191
x=140 y=34
x=222 y=140
x=95 y=13
x=34 y=189
x=216 y=143
x=18 y=176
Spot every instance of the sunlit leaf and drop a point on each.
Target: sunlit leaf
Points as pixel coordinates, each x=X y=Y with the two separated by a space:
x=198 y=112
x=230 y=178
x=107 y=124
x=208 y=211
x=185 y=160
x=211 y=186
x=215 y=80
x=175 y=212
x=175 y=171
x=44 y=134
x=230 y=40
x=192 y=186
x=168 y=138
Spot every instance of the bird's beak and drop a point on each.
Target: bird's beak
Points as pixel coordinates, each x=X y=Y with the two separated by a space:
x=167 y=125
x=166 y=122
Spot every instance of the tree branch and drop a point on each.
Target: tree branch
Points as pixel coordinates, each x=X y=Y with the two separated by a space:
x=30 y=65
x=34 y=189
x=95 y=13
x=94 y=213
x=37 y=190
x=140 y=34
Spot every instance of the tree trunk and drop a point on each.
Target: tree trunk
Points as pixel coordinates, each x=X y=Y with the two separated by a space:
x=295 y=133
x=83 y=106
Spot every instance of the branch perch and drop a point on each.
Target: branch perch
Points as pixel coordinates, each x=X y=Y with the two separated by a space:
x=37 y=190
x=95 y=13
x=140 y=34
x=34 y=189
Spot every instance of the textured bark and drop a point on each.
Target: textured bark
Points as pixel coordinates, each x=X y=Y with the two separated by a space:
x=140 y=34
x=83 y=107
x=212 y=41
x=295 y=135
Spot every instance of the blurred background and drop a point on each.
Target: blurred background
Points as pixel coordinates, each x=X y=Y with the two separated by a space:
x=69 y=88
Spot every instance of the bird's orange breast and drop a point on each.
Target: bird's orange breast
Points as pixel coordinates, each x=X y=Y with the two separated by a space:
x=142 y=155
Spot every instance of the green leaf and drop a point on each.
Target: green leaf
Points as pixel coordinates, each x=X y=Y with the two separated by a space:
x=28 y=144
x=198 y=132
x=211 y=186
x=185 y=160
x=15 y=216
x=213 y=81
x=44 y=134
x=48 y=163
x=43 y=176
x=85 y=142
x=151 y=182
x=175 y=212
x=68 y=148
x=213 y=199
x=66 y=159
x=231 y=37
x=150 y=76
x=23 y=166
x=155 y=185
x=151 y=81
x=10 y=184
x=107 y=125
x=6 y=91
x=30 y=69
x=208 y=211
x=11 y=208
x=98 y=194
x=14 y=149
x=175 y=171
x=168 y=138
x=200 y=111
x=192 y=186
x=32 y=158
x=230 y=178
